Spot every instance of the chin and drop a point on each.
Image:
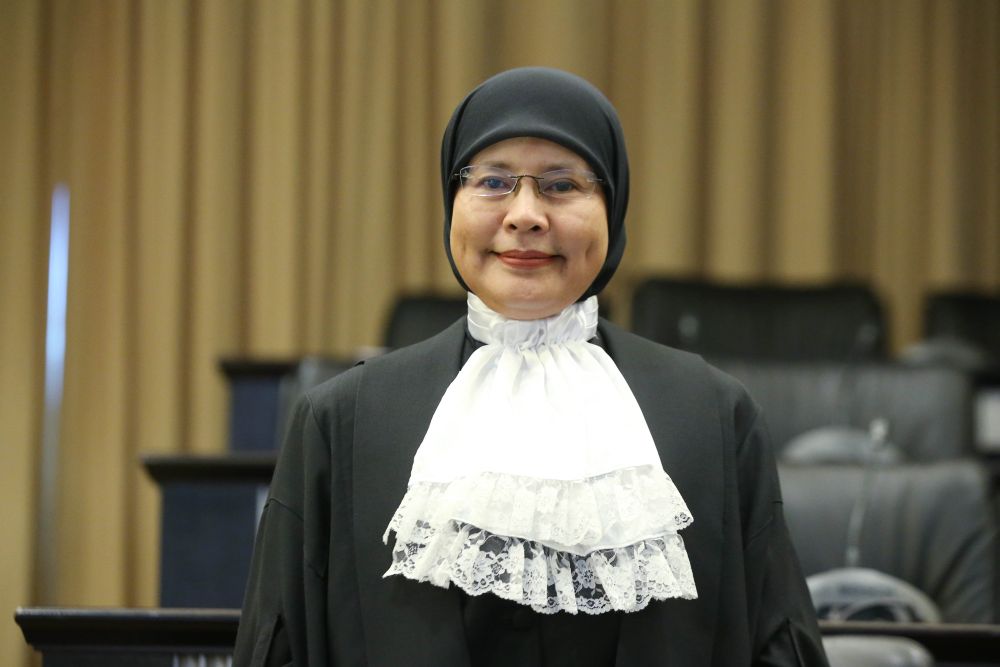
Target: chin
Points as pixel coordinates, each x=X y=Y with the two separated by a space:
x=529 y=310
x=523 y=299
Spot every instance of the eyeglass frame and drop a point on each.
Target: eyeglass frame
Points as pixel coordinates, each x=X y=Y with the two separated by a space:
x=591 y=177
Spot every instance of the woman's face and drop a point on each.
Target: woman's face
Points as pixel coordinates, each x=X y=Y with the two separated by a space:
x=526 y=255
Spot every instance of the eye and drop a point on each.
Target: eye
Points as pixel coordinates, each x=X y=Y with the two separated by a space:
x=561 y=186
x=565 y=183
x=487 y=181
x=493 y=183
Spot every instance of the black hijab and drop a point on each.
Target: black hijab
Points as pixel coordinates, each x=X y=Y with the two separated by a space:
x=547 y=104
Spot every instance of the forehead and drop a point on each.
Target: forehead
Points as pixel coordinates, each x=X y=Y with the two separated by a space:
x=530 y=153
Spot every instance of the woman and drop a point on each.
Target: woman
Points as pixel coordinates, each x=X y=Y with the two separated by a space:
x=552 y=489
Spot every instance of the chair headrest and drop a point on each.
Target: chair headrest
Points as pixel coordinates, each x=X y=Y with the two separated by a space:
x=946 y=351
x=862 y=594
x=839 y=444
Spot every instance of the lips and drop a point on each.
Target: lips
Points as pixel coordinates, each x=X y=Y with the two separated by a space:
x=525 y=259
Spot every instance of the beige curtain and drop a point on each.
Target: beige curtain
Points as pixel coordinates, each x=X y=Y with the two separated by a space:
x=259 y=178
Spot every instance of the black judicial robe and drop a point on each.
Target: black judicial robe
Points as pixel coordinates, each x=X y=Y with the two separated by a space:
x=316 y=595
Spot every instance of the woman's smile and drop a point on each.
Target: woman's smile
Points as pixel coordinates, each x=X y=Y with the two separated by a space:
x=526 y=259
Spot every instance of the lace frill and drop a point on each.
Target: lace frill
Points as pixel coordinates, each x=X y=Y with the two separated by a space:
x=600 y=544
x=538 y=480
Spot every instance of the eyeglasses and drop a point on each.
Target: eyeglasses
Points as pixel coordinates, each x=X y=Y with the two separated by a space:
x=493 y=182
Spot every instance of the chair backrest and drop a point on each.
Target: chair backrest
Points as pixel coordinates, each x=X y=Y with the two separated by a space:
x=837 y=322
x=928 y=410
x=931 y=525
x=416 y=317
x=965 y=316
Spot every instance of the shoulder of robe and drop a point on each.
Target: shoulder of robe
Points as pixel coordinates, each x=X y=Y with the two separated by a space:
x=331 y=396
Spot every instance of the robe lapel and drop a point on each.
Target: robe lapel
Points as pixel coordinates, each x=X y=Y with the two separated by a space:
x=680 y=407
x=405 y=622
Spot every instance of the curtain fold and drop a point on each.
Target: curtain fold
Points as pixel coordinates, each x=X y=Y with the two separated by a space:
x=260 y=179
x=23 y=251
x=92 y=98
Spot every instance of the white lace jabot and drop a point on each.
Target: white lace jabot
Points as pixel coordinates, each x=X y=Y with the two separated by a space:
x=538 y=479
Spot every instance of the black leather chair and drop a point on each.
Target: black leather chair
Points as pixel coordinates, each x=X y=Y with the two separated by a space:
x=931 y=525
x=837 y=322
x=970 y=317
x=928 y=410
x=416 y=317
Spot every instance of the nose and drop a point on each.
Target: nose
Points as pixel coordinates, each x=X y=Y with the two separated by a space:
x=527 y=209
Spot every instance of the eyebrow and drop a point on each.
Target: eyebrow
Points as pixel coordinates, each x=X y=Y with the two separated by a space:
x=552 y=166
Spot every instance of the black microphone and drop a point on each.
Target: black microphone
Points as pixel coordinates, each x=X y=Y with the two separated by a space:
x=840 y=441
x=878 y=432
x=865 y=340
x=854 y=592
x=688 y=330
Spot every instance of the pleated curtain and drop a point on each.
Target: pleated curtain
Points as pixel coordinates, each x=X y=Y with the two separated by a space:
x=259 y=178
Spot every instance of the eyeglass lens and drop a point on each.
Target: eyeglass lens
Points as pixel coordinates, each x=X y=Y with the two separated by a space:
x=486 y=181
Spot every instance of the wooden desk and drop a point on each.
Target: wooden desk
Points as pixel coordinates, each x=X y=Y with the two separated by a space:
x=262 y=392
x=255 y=398
x=105 y=637
x=156 y=637
x=950 y=644
x=211 y=507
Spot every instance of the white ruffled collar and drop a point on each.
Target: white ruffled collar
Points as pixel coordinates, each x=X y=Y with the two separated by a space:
x=538 y=480
x=576 y=323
